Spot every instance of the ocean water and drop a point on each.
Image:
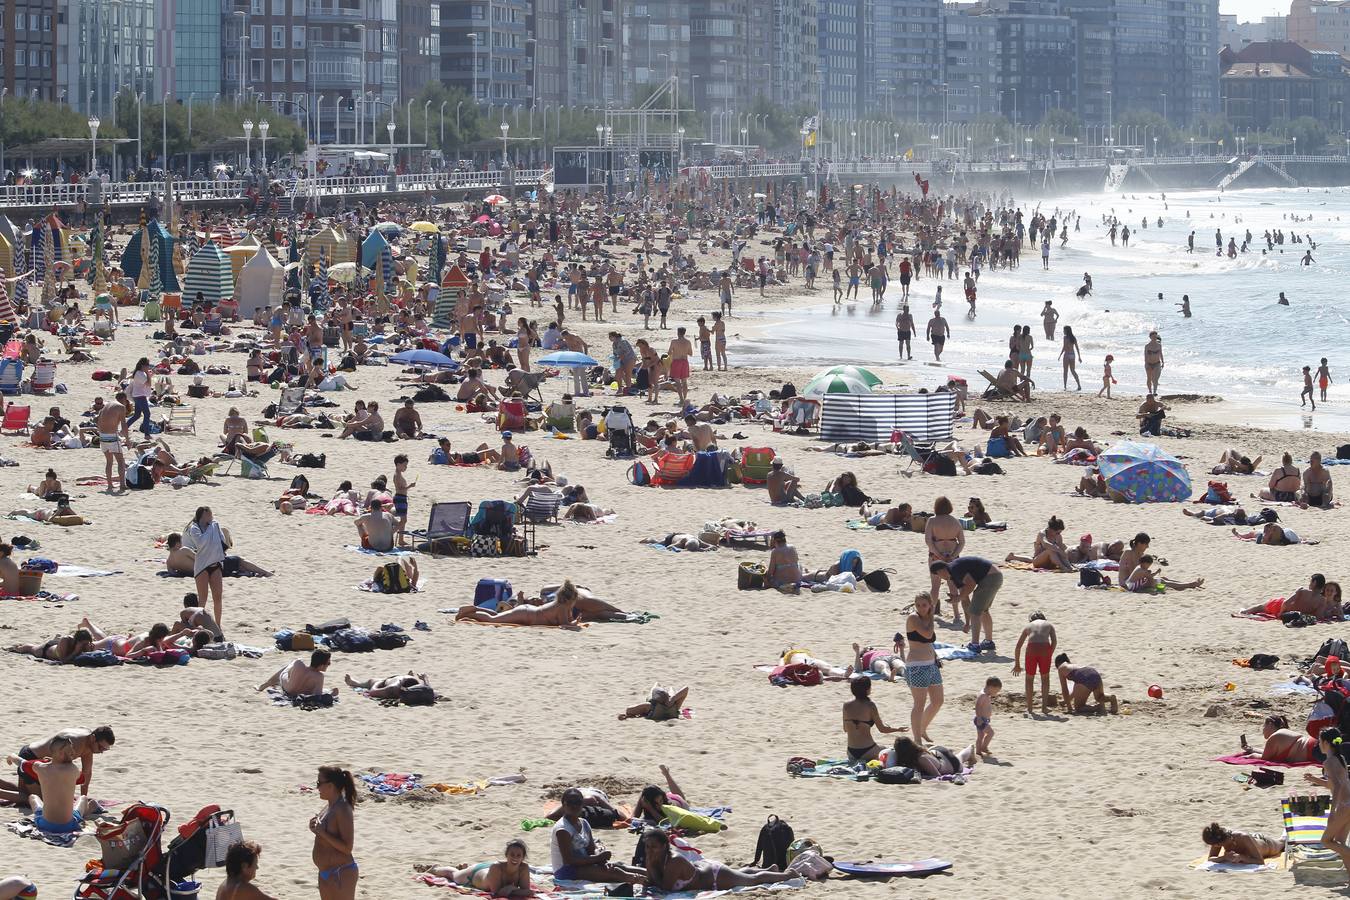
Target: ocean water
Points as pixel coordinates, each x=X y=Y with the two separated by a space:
x=1238 y=344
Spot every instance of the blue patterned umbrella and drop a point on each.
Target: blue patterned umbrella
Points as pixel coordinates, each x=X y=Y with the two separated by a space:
x=1143 y=473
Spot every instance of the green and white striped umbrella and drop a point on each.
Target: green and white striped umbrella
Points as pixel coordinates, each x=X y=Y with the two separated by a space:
x=836 y=384
x=858 y=372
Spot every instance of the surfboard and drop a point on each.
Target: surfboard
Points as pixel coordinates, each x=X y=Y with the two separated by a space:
x=875 y=869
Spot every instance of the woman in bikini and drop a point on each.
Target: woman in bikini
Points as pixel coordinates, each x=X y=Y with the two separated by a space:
x=127 y=645
x=208 y=566
x=509 y=877
x=334 y=835
x=945 y=539
x=60 y=649
x=653 y=798
x=1316 y=482
x=49 y=488
x=922 y=669
x=1283 y=744
x=1335 y=779
x=560 y=611
x=888 y=663
x=860 y=716
x=1049 y=551
x=1284 y=482
x=929 y=763
x=670 y=871
x=1087 y=684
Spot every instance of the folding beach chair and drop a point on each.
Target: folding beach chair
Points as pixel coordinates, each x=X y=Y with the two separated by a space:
x=447 y=523
x=493 y=528
x=182 y=420
x=540 y=509
x=756 y=463
x=801 y=416
x=1303 y=828
x=292 y=401
x=671 y=467
x=16 y=419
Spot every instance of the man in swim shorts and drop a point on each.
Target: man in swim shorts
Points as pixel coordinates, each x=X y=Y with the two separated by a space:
x=1040 y=640
x=112 y=424
x=84 y=744
x=680 y=351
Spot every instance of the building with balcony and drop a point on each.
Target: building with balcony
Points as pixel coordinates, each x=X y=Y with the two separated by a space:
x=28 y=57
x=196 y=49
x=846 y=43
x=1278 y=81
x=483 y=49
x=106 y=48
x=655 y=46
x=909 y=75
x=972 y=61
x=794 y=54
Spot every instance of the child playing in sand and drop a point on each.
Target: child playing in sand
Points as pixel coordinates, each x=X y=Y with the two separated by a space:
x=1107 y=380
x=984 y=711
x=1144 y=580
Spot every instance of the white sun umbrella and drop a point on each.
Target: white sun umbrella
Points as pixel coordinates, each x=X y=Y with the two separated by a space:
x=343 y=272
x=836 y=384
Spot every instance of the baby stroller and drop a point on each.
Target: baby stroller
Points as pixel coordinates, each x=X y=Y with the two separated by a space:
x=620 y=430
x=134 y=865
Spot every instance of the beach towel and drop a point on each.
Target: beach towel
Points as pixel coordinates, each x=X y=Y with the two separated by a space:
x=44 y=596
x=1205 y=864
x=307 y=702
x=27 y=827
x=68 y=570
x=370 y=587
x=1237 y=759
x=392 y=784
x=368 y=552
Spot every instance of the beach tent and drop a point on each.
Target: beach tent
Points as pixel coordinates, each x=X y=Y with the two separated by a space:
x=454 y=287
x=208 y=271
x=261 y=284
x=242 y=251
x=132 y=260
x=6 y=256
x=10 y=232
x=873 y=417
x=372 y=249
x=334 y=245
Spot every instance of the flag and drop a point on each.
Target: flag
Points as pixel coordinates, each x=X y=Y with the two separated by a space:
x=811 y=139
x=909 y=155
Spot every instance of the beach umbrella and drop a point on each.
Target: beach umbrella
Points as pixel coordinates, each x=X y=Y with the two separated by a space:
x=321 y=297
x=425 y=227
x=567 y=359
x=494 y=199
x=1144 y=473
x=387 y=268
x=391 y=227
x=49 y=263
x=836 y=384
x=858 y=372
x=482 y=219
x=343 y=272
x=429 y=358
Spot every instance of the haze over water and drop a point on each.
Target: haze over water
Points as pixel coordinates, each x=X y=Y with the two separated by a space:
x=1239 y=343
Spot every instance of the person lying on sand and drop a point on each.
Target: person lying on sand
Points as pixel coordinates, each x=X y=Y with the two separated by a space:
x=60 y=649
x=883 y=661
x=1320 y=599
x=828 y=671
x=508 y=877
x=298 y=679
x=128 y=646
x=930 y=762
x=896 y=518
x=17 y=887
x=661 y=704
x=181 y=560
x=1087 y=684
x=48 y=488
x=444 y=456
x=652 y=798
x=1283 y=744
x=1232 y=462
x=1081 y=440
x=1272 y=533
x=582 y=511
x=1086 y=551
x=1240 y=847
x=668 y=870
x=560 y=611
x=390 y=688
x=690 y=542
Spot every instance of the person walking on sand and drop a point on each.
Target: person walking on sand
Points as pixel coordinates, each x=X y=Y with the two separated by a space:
x=1071 y=356
x=680 y=350
x=1323 y=378
x=719 y=330
x=1306 y=396
x=1153 y=361
x=112 y=424
x=1107 y=379
x=1039 y=639
x=334 y=835
x=904 y=331
x=725 y=291
x=1335 y=779
x=937 y=333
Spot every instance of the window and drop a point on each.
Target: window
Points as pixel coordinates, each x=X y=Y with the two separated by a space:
x=297 y=8
x=278 y=37
x=278 y=8
x=255 y=37
x=256 y=7
x=278 y=71
x=298 y=37
x=46 y=23
x=298 y=70
x=255 y=70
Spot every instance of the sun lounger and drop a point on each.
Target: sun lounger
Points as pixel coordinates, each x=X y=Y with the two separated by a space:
x=539 y=509
x=182 y=420
x=1303 y=837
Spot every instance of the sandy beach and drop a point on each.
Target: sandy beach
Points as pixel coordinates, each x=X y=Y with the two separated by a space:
x=1110 y=806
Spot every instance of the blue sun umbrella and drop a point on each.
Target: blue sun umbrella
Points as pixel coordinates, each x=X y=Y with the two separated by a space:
x=1143 y=473
x=567 y=358
x=429 y=358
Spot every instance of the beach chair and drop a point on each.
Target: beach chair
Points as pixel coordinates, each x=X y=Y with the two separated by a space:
x=16 y=419
x=249 y=466
x=1303 y=828
x=511 y=416
x=802 y=415
x=923 y=454
x=182 y=420
x=671 y=467
x=540 y=509
x=494 y=524
x=292 y=401
x=142 y=876
x=756 y=463
x=448 y=523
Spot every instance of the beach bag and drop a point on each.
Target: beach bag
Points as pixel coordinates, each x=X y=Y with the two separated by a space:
x=1343 y=451
x=678 y=817
x=638 y=475
x=311 y=461
x=877 y=580
x=937 y=464
x=483 y=545
x=1218 y=493
x=810 y=864
x=987 y=466
x=490 y=593
x=389 y=640
x=795 y=673
x=432 y=393
x=122 y=843
x=96 y=659
x=1089 y=578
x=896 y=775
x=751 y=577
x=418 y=695
x=600 y=816
x=330 y=627
x=392 y=578
x=775 y=837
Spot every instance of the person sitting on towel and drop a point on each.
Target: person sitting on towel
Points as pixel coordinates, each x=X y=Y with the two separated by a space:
x=181 y=559
x=296 y=679
x=376 y=528
x=54 y=806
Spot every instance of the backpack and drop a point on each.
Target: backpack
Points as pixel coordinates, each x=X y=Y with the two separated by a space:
x=1343 y=451
x=1089 y=578
x=389 y=640
x=638 y=474
x=490 y=593
x=896 y=775
x=775 y=837
x=937 y=464
x=392 y=578
x=1333 y=647
x=311 y=461
x=877 y=580
x=987 y=466
x=418 y=695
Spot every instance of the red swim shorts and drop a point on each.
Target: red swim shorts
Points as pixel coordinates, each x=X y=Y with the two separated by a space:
x=1273 y=607
x=1038 y=659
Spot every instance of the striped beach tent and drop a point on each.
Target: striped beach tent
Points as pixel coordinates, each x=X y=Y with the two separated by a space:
x=223 y=237
x=136 y=256
x=48 y=251
x=208 y=271
x=7 y=311
x=319 y=286
x=371 y=248
x=260 y=285
x=873 y=417
x=156 y=281
x=6 y=256
x=333 y=242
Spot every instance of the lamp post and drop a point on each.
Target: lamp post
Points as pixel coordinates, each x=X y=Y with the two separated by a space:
x=164 y=132
x=1155 y=146
x=679 y=151
x=599 y=135
x=443 y=102
x=473 y=36
x=853 y=135
x=1164 y=100
x=426 y=123
x=896 y=136
x=505 y=127
x=243 y=35
x=93 y=144
x=390 y=126
x=139 y=97
x=248 y=139
x=744 y=138
x=263 y=126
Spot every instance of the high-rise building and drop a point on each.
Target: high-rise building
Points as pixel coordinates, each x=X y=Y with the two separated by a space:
x=720 y=56
x=971 y=66
x=656 y=46
x=847 y=48
x=794 y=53
x=107 y=47
x=908 y=77
x=1194 y=28
x=28 y=58
x=419 y=38
x=1096 y=58
x=196 y=49
x=483 y=49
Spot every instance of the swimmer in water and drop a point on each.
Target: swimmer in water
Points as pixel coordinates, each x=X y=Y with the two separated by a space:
x=1283 y=301
x=1185 y=306
x=1307 y=259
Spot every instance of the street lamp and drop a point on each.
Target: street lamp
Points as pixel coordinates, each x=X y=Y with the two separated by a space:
x=744 y=139
x=164 y=131
x=896 y=135
x=263 y=126
x=854 y=136
x=473 y=36
x=390 y=126
x=505 y=127
x=679 y=151
x=599 y=135
x=443 y=102
x=93 y=144
x=248 y=138
x=139 y=98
